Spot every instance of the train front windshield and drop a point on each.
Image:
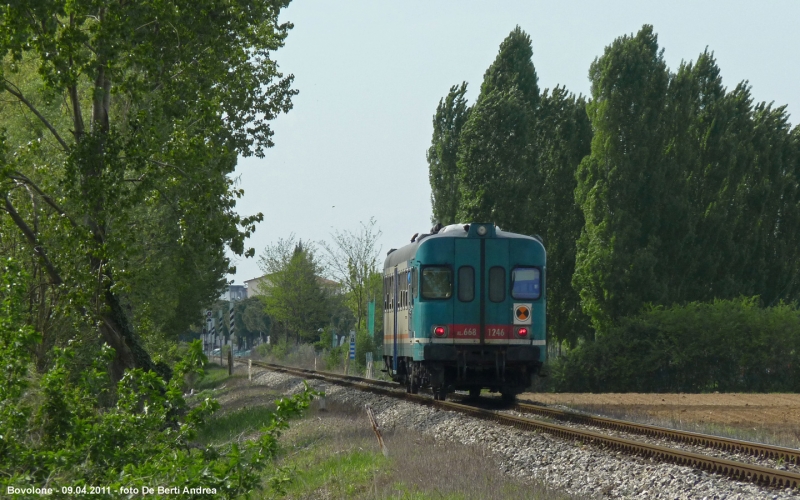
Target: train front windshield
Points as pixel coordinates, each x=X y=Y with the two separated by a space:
x=437 y=282
x=525 y=283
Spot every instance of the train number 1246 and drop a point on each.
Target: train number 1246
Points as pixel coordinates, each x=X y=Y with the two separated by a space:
x=496 y=332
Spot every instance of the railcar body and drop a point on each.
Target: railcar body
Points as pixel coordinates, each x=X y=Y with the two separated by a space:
x=464 y=309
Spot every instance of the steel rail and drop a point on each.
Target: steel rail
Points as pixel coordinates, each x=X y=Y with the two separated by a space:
x=721 y=443
x=740 y=471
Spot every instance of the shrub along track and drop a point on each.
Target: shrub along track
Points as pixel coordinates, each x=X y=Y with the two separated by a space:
x=764 y=476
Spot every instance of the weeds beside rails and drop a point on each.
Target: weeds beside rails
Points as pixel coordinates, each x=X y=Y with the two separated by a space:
x=58 y=435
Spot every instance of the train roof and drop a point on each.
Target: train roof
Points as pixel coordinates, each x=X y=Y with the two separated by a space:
x=407 y=252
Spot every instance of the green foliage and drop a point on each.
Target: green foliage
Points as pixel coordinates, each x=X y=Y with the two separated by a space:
x=334 y=358
x=191 y=367
x=496 y=161
x=690 y=192
x=623 y=185
x=364 y=344
x=127 y=120
x=353 y=260
x=57 y=432
x=295 y=297
x=664 y=188
x=512 y=68
x=563 y=139
x=451 y=114
x=726 y=346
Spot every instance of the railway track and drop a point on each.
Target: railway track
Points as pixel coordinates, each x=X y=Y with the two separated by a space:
x=736 y=470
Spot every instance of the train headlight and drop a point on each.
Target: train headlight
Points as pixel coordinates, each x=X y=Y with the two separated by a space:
x=481 y=230
x=439 y=331
x=522 y=332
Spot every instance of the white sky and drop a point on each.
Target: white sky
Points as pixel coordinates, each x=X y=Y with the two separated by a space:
x=370 y=75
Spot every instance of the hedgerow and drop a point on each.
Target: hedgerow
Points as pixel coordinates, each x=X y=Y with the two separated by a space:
x=726 y=346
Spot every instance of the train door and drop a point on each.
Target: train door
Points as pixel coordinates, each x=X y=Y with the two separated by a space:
x=497 y=313
x=467 y=300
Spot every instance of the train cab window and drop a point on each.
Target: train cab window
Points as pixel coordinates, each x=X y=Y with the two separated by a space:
x=526 y=283
x=497 y=284
x=413 y=282
x=466 y=283
x=437 y=282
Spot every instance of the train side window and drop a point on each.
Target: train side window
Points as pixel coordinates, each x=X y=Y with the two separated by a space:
x=405 y=287
x=466 y=283
x=414 y=282
x=526 y=283
x=497 y=284
x=437 y=282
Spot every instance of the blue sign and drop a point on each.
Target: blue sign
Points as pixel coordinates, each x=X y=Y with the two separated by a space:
x=352 y=345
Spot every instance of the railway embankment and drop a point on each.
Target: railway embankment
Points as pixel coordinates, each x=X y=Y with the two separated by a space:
x=576 y=468
x=333 y=452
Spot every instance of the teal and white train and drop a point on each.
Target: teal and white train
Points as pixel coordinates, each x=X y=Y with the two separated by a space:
x=464 y=309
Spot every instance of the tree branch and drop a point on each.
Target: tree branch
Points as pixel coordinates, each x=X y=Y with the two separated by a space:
x=21 y=177
x=77 y=116
x=55 y=278
x=18 y=94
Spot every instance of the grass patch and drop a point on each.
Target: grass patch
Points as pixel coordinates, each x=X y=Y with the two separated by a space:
x=215 y=376
x=347 y=474
x=334 y=454
x=235 y=425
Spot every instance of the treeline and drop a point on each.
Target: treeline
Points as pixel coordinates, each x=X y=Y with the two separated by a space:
x=663 y=187
x=310 y=292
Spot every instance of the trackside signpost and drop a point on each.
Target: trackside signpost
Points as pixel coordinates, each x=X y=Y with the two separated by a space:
x=371 y=318
x=352 y=352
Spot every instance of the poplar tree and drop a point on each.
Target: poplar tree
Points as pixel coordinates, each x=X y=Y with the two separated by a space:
x=496 y=161
x=451 y=114
x=563 y=138
x=622 y=184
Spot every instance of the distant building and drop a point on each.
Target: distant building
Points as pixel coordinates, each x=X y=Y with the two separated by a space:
x=258 y=286
x=234 y=292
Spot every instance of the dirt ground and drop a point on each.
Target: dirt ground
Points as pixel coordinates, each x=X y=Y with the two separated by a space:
x=771 y=418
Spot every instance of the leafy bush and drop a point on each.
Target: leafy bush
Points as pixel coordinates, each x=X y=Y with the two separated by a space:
x=334 y=358
x=727 y=345
x=57 y=432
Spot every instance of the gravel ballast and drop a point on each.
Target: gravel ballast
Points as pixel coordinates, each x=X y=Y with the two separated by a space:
x=579 y=469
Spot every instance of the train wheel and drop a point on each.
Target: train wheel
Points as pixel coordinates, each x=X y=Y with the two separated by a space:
x=474 y=392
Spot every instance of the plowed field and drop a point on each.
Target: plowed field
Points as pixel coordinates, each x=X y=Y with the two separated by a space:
x=771 y=418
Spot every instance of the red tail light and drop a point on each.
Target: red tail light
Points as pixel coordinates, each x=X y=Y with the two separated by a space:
x=439 y=331
x=522 y=332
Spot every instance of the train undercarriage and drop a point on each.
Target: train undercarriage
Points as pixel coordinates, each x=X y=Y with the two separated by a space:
x=447 y=368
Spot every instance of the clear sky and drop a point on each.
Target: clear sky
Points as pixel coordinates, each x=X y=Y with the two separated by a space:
x=371 y=73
